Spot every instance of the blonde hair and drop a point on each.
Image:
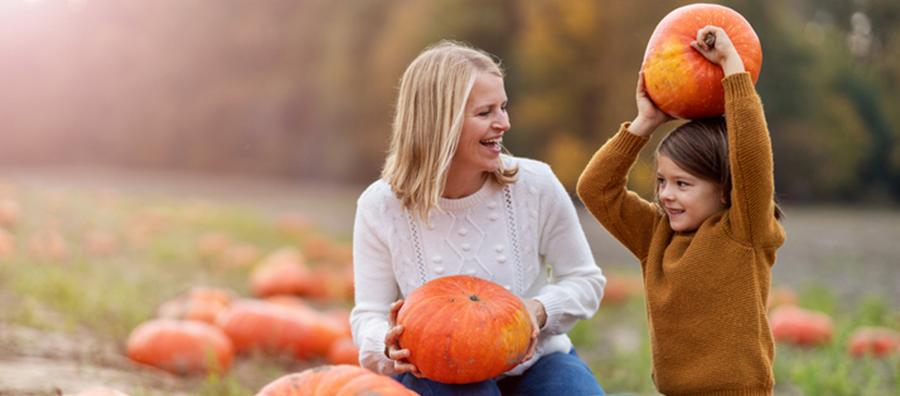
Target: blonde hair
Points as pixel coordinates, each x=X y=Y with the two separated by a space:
x=429 y=116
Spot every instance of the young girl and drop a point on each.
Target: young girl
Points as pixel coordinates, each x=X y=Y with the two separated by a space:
x=449 y=203
x=707 y=244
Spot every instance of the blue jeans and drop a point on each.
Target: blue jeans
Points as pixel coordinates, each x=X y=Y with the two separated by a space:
x=556 y=374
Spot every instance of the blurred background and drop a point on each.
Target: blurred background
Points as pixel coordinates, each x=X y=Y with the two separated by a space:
x=149 y=147
x=306 y=88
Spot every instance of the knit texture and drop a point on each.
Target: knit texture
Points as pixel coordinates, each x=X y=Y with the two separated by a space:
x=512 y=235
x=707 y=289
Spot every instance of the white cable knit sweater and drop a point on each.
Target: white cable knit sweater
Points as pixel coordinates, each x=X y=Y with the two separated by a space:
x=513 y=235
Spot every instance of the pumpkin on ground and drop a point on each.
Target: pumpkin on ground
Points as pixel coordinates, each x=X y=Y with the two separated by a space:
x=285 y=272
x=462 y=329
x=278 y=328
x=180 y=346
x=621 y=288
x=680 y=80
x=340 y=380
x=343 y=351
x=199 y=303
x=798 y=326
x=875 y=341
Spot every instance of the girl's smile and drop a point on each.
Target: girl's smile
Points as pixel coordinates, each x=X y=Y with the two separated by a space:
x=687 y=199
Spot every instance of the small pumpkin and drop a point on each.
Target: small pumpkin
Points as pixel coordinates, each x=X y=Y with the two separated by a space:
x=794 y=325
x=878 y=342
x=343 y=351
x=621 y=288
x=284 y=272
x=180 y=346
x=462 y=329
x=199 y=303
x=277 y=328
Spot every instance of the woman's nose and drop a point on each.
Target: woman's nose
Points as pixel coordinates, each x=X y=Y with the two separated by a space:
x=502 y=123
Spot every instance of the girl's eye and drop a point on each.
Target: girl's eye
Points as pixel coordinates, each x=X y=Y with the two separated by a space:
x=660 y=180
x=484 y=113
x=505 y=107
x=683 y=184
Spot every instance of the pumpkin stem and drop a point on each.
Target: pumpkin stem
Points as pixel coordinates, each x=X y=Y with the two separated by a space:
x=474 y=298
x=710 y=40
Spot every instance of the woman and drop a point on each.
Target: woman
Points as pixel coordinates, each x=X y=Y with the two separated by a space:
x=449 y=203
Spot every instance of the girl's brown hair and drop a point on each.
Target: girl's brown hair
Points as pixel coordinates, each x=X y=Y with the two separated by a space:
x=700 y=147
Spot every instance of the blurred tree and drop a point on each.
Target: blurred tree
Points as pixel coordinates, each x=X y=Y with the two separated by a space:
x=308 y=87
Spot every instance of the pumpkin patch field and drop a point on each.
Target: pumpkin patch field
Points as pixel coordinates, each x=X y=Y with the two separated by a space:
x=139 y=287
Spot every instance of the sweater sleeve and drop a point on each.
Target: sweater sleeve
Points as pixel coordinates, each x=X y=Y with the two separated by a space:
x=750 y=157
x=577 y=285
x=602 y=189
x=375 y=285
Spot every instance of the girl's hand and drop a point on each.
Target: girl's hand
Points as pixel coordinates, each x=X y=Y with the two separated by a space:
x=649 y=116
x=392 y=346
x=538 y=316
x=715 y=45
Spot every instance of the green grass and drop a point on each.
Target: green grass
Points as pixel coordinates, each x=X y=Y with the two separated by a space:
x=157 y=258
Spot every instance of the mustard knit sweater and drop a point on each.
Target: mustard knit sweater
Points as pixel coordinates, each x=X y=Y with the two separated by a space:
x=706 y=290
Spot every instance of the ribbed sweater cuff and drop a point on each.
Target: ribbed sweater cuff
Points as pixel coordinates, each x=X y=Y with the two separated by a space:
x=738 y=85
x=626 y=142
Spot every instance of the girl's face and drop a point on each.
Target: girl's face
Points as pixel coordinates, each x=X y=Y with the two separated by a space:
x=687 y=199
x=484 y=122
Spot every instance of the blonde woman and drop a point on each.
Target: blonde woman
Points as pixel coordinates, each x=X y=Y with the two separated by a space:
x=448 y=203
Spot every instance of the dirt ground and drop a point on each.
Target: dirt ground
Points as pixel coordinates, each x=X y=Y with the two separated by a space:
x=853 y=252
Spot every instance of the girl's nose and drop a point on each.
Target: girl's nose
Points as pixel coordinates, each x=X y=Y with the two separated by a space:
x=665 y=193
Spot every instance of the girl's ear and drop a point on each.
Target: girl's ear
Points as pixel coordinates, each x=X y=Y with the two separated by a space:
x=723 y=198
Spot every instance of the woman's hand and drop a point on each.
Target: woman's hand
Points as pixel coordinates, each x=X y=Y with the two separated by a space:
x=649 y=116
x=715 y=45
x=392 y=346
x=538 y=316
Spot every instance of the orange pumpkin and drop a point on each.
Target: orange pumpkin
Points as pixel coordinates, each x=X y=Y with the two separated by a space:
x=462 y=329
x=284 y=272
x=343 y=351
x=795 y=325
x=679 y=80
x=278 y=328
x=180 y=346
x=620 y=288
x=875 y=341
x=343 y=380
x=199 y=303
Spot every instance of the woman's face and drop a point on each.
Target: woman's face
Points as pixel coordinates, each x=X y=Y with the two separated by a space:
x=484 y=122
x=687 y=199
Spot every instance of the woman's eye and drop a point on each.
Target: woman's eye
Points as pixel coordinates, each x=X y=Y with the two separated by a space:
x=683 y=184
x=484 y=113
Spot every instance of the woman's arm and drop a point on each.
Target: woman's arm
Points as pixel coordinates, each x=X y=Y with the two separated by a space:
x=375 y=285
x=578 y=283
